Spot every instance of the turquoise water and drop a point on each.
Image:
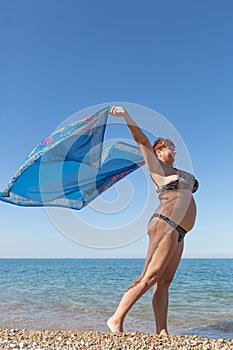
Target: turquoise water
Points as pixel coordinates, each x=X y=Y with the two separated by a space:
x=82 y=293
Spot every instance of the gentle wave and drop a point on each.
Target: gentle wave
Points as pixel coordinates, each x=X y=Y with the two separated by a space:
x=82 y=293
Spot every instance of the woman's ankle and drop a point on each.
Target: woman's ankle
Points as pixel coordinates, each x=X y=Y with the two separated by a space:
x=163 y=332
x=114 y=324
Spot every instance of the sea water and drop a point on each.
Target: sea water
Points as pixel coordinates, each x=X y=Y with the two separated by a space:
x=80 y=294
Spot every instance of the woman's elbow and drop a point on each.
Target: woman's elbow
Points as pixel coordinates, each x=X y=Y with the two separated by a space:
x=141 y=139
x=145 y=142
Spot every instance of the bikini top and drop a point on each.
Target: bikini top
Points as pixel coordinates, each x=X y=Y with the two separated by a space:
x=185 y=181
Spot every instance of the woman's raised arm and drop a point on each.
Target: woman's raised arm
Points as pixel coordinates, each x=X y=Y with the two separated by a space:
x=143 y=142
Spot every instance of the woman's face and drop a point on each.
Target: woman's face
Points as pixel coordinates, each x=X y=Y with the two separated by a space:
x=167 y=154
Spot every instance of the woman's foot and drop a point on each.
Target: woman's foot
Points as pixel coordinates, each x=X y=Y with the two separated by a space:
x=114 y=326
x=163 y=332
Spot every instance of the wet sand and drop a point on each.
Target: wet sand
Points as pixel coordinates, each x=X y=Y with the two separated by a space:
x=75 y=340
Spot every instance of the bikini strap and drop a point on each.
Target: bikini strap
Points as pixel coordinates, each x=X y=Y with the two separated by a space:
x=154 y=182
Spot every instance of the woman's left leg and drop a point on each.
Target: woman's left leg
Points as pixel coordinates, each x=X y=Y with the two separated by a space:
x=157 y=265
x=160 y=293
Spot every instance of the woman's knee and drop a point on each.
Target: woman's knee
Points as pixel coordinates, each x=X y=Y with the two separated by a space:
x=149 y=280
x=165 y=281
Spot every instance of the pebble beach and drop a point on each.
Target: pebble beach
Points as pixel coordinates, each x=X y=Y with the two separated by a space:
x=50 y=304
x=75 y=340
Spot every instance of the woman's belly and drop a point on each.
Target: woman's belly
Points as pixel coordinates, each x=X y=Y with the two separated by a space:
x=179 y=206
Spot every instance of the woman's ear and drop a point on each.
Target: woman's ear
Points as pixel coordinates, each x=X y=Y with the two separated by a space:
x=158 y=153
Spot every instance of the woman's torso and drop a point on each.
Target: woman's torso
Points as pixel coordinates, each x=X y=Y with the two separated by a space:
x=179 y=206
x=175 y=195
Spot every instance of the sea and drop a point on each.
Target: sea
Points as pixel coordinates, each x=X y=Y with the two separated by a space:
x=81 y=294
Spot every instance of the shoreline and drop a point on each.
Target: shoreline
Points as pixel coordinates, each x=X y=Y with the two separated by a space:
x=77 y=340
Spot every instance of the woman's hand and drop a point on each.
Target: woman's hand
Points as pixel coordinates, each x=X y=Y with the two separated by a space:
x=118 y=111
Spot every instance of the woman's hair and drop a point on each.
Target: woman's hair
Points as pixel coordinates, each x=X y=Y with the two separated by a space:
x=161 y=143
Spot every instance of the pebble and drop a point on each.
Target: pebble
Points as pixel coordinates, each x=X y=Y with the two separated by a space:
x=75 y=340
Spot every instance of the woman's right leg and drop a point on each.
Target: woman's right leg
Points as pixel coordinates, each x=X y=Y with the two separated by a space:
x=150 y=252
x=158 y=262
x=160 y=293
x=156 y=230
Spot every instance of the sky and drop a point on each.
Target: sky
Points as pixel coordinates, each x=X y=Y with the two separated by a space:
x=59 y=57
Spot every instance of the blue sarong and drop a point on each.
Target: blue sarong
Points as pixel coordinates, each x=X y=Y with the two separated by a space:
x=70 y=168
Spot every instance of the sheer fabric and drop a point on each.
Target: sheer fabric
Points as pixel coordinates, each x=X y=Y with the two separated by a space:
x=70 y=168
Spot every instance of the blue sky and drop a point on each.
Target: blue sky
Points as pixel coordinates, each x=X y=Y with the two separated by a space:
x=175 y=57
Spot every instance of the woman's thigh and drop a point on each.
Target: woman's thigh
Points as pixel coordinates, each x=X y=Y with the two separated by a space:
x=169 y=272
x=165 y=246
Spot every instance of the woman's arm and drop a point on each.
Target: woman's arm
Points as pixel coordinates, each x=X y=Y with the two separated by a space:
x=135 y=131
x=143 y=142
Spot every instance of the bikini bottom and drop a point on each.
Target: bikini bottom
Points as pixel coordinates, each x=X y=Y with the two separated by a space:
x=182 y=232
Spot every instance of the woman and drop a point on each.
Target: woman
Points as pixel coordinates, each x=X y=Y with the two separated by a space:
x=173 y=218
